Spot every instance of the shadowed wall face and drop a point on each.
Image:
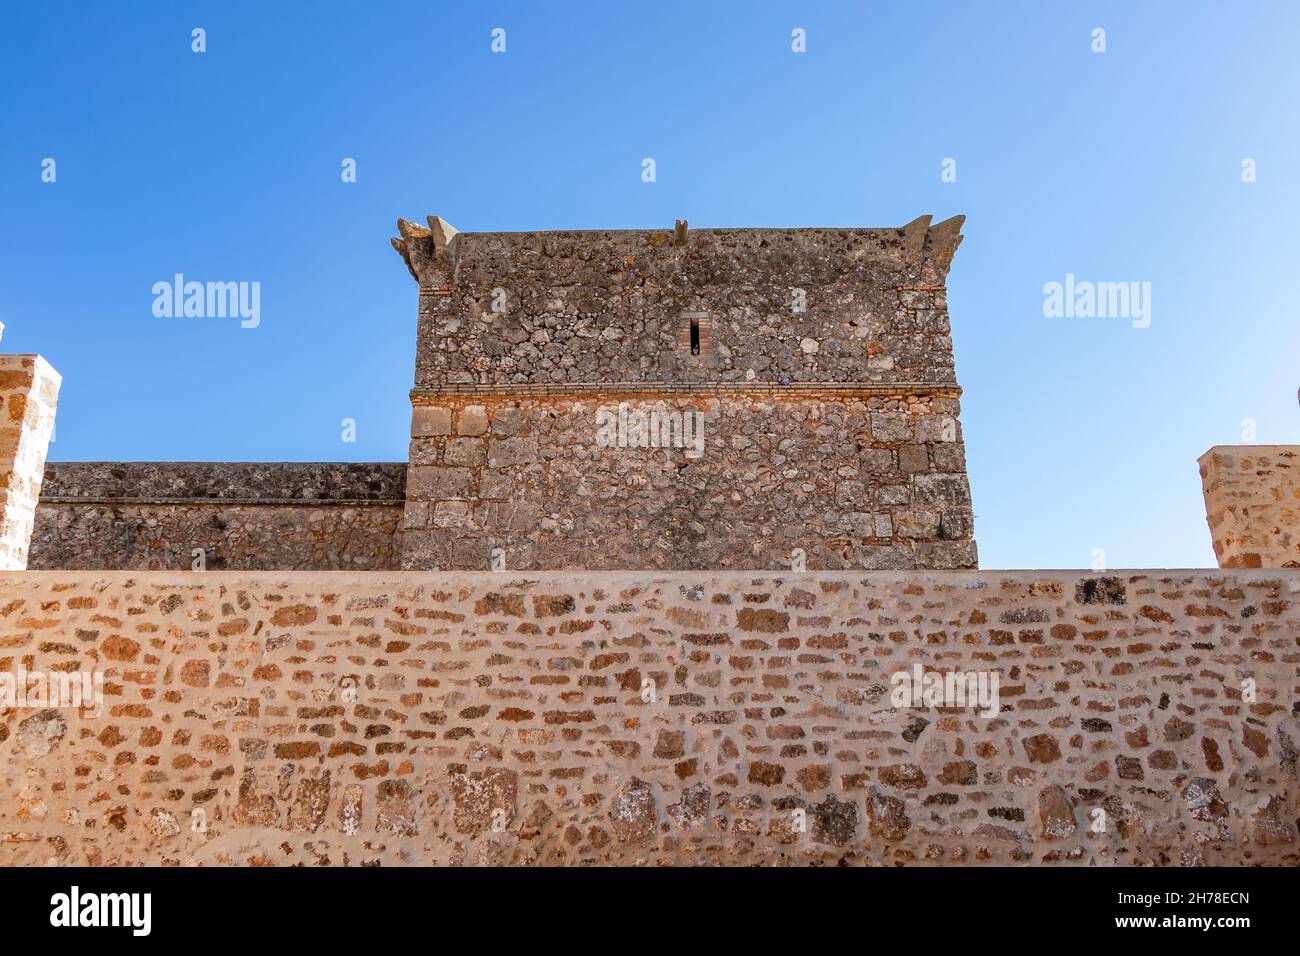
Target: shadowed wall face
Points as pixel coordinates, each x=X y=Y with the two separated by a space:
x=218 y=515
x=558 y=376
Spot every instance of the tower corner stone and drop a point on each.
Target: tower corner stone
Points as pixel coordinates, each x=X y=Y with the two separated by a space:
x=29 y=392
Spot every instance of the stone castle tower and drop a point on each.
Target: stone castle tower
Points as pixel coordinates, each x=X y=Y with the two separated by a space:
x=790 y=393
x=746 y=399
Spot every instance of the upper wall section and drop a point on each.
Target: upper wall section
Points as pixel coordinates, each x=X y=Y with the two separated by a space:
x=242 y=515
x=775 y=306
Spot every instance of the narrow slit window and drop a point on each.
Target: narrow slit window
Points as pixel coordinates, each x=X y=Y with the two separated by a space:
x=693 y=334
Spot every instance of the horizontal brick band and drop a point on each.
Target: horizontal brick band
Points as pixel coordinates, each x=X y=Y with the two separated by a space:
x=427 y=394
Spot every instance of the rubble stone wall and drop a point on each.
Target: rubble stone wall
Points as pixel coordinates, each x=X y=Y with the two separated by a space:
x=772 y=305
x=835 y=481
x=244 y=516
x=1143 y=717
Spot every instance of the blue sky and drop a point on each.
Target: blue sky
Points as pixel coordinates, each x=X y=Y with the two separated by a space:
x=1126 y=165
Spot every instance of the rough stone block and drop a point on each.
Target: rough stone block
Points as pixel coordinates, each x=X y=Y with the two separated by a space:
x=472 y=420
x=430 y=421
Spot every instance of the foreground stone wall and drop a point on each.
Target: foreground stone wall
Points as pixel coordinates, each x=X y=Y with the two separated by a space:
x=850 y=481
x=242 y=515
x=1252 y=504
x=349 y=719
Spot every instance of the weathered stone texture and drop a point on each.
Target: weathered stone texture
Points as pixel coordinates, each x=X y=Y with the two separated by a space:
x=852 y=483
x=29 y=392
x=244 y=515
x=687 y=718
x=820 y=359
x=1252 y=503
x=547 y=308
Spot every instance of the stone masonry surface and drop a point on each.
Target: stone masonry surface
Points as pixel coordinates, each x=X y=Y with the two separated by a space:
x=652 y=718
x=865 y=482
x=1252 y=503
x=547 y=308
x=820 y=359
x=29 y=392
x=244 y=515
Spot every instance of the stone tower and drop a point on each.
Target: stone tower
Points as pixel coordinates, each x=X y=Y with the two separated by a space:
x=685 y=399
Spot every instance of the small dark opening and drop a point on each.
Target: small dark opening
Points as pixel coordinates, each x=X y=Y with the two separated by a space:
x=695 y=336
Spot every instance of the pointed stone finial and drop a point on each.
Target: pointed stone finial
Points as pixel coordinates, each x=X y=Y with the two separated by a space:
x=410 y=230
x=914 y=235
x=427 y=252
x=946 y=237
x=935 y=243
x=942 y=241
x=442 y=231
x=400 y=246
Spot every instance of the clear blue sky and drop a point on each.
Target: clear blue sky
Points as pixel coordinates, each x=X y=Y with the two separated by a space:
x=1126 y=165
